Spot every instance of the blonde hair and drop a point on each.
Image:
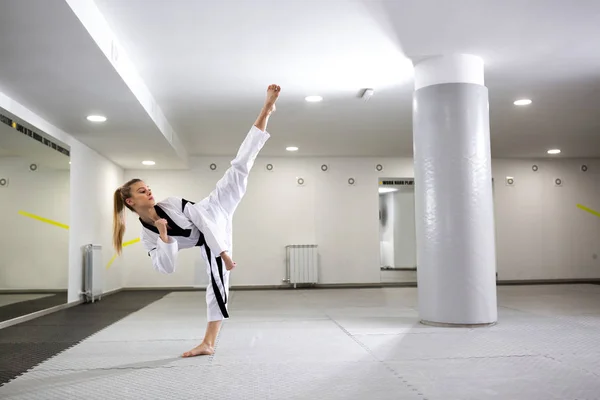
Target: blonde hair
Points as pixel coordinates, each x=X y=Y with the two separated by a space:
x=121 y=194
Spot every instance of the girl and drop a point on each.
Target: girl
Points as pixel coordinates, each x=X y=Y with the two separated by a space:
x=176 y=223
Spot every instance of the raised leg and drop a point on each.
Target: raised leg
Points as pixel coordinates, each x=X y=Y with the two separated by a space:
x=214 y=213
x=231 y=188
x=263 y=117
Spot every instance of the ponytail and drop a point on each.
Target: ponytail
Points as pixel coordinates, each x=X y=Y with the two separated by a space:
x=121 y=194
x=118 y=221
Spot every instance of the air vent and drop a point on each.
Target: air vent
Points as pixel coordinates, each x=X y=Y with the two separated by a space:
x=558 y=182
x=34 y=135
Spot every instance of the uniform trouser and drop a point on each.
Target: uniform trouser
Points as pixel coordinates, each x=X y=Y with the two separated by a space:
x=217 y=291
x=229 y=191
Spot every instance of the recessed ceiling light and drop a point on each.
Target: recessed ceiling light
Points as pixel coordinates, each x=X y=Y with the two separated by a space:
x=96 y=118
x=148 y=162
x=313 y=99
x=522 y=102
x=554 y=151
x=291 y=148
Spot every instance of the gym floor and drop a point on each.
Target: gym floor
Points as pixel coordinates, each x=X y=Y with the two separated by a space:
x=308 y=344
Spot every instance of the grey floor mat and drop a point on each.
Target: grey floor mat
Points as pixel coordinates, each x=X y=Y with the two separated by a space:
x=25 y=345
x=332 y=344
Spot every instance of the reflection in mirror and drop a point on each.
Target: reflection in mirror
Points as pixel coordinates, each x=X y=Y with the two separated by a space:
x=34 y=239
x=397 y=235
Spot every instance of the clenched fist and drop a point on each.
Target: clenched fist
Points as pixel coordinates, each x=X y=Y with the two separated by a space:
x=229 y=264
x=161 y=225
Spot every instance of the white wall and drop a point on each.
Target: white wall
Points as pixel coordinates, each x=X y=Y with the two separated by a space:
x=534 y=220
x=34 y=254
x=342 y=219
x=541 y=234
x=93 y=182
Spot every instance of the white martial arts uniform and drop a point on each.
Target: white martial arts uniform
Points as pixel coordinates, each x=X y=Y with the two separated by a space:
x=206 y=224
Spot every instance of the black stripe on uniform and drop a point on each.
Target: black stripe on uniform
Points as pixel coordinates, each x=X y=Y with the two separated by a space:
x=215 y=287
x=174 y=229
x=220 y=265
x=184 y=202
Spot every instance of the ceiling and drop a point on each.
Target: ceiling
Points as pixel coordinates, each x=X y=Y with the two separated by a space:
x=52 y=66
x=207 y=65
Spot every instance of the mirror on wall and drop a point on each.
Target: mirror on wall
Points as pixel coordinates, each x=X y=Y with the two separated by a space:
x=34 y=198
x=397 y=235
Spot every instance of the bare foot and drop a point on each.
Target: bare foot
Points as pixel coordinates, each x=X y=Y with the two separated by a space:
x=202 y=349
x=272 y=95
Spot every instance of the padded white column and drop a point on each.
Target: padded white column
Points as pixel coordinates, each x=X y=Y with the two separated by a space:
x=456 y=255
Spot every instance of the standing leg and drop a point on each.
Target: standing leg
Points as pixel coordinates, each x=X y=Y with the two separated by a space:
x=217 y=293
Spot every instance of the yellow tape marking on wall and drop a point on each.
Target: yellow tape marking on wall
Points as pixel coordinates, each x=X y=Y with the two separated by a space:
x=111 y=261
x=584 y=208
x=129 y=243
x=46 y=220
x=49 y=221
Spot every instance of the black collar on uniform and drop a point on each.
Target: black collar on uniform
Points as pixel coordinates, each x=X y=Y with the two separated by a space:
x=174 y=229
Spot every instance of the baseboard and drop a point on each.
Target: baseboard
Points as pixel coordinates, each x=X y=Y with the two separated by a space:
x=32 y=291
x=411 y=269
x=371 y=285
x=548 y=282
x=37 y=314
x=359 y=285
x=407 y=284
x=164 y=288
x=278 y=287
x=112 y=292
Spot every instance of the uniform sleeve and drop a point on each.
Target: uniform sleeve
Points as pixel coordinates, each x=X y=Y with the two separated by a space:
x=163 y=255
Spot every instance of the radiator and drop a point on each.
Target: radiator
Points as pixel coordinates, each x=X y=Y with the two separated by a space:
x=302 y=262
x=93 y=273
